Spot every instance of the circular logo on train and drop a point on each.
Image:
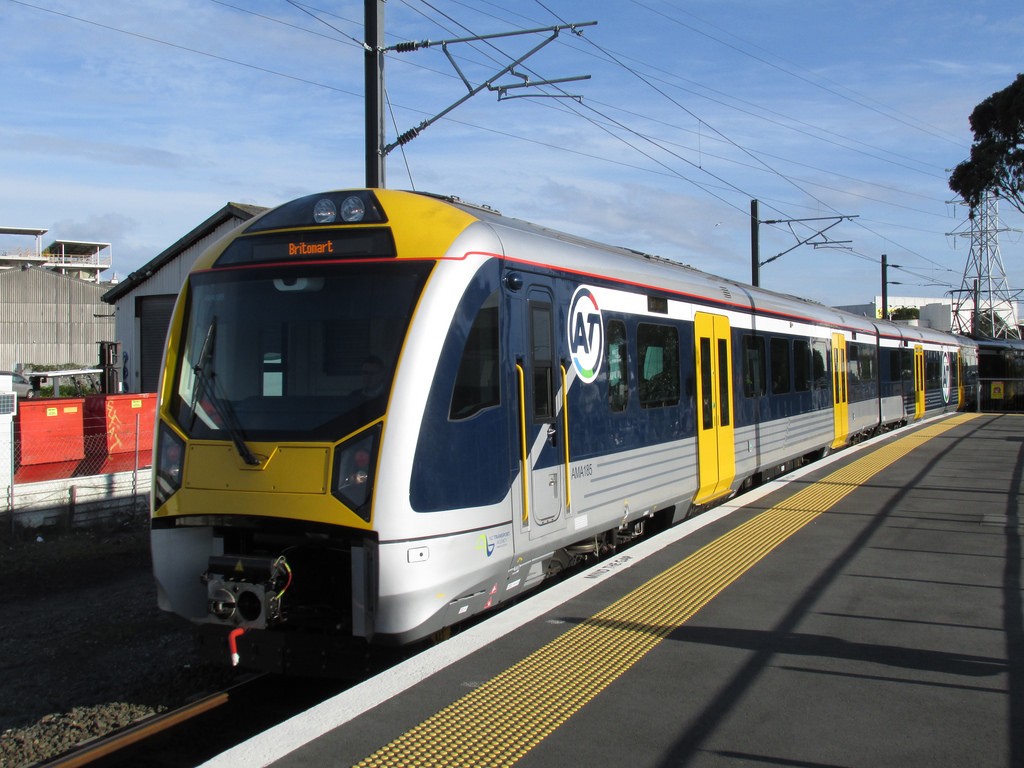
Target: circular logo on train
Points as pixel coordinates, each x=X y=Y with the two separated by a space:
x=947 y=378
x=586 y=334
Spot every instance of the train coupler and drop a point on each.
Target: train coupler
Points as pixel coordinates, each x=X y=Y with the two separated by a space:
x=246 y=591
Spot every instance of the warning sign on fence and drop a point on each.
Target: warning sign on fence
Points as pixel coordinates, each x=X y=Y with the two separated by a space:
x=997 y=390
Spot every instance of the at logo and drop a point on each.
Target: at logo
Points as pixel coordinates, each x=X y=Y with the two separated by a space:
x=586 y=334
x=947 y=378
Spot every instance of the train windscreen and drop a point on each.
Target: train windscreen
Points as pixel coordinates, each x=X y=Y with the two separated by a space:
x=288 y=353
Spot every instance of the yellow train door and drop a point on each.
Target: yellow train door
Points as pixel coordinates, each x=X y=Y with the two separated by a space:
x=716 y=455
x=918 y=381
x=840 y=391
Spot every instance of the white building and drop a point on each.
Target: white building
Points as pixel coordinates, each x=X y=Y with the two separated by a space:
x=74 y=258
x=937 y=313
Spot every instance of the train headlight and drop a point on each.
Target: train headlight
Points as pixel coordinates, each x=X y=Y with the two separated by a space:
x=353 y=209
x=324 y=212
x=170 y=457
x=355 y=463
x=323 y=209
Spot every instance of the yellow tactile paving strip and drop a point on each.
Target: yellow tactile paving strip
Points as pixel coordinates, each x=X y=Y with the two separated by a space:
x=488 y=727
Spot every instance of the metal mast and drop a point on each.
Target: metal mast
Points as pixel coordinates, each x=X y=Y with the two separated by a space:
x=374 y=49
x=373 y=18
x=985 y=306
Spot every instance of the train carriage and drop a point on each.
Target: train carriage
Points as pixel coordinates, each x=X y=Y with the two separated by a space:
x=385 y=412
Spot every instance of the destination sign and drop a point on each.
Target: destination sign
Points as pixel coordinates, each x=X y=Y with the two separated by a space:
x=311 y=249
x=364 y=243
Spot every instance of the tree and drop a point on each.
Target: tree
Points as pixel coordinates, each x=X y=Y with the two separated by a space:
x=997 y=154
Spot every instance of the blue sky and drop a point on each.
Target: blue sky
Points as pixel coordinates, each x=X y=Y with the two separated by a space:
x=132 y=121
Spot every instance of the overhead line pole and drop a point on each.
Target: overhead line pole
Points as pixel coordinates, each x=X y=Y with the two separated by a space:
x=755 y=245
x=373 y=25
x=373 y=22
x=755 y=238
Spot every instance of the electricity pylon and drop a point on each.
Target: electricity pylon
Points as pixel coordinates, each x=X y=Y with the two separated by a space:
x=985 y=307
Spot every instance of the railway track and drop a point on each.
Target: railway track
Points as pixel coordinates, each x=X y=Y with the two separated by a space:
x=197 y=731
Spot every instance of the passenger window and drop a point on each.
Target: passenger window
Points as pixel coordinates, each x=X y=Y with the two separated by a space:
x=819 y=364
x=780 y=366
x=853 y=363
x=933 y=370
x=868 y=362
x=801 y=365
x=753 y=366
x=618 y=378
x=894 y=365
x=543 y=361
x=476 y=382
x=659 y=365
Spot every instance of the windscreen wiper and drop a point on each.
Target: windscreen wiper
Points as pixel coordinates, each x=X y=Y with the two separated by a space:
x=206 y=383
x=199 y=369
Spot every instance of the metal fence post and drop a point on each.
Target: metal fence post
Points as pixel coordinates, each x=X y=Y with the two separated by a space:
x=135 y=469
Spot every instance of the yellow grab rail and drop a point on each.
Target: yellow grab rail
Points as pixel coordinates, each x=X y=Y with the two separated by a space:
x=524 y=455
x=565 y=439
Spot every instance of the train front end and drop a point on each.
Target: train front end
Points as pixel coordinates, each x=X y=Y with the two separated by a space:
x=280 y=361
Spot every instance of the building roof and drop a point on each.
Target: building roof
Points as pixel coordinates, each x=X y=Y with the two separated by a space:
x=75 y=248
x=23 y=231
x=230 y=211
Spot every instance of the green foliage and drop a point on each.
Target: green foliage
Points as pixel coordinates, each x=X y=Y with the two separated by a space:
x=997 y=154
x=905 y=313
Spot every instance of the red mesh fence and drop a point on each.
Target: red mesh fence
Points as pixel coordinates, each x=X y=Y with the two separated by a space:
x=79 y=436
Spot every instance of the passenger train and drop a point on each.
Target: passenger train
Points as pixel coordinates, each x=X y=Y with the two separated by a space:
x=382 y=413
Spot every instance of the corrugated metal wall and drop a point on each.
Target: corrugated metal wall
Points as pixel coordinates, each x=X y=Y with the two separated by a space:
x=51 y=319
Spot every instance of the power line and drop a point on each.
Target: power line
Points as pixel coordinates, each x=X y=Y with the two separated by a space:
x=594 y=112
x=897 y=116
x=178 y=46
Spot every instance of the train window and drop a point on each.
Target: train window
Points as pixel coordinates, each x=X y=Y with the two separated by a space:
x=801 y=365
x=543 y=360
x=476 y=383
x=707 y=409
x=753 y=366
x=819 y=364
x=780 y=366
x=272 y=352
x=618 y=354
x=933 y=370
x=723 y=381
x=894 y=365
x=853 y=363
x=659 y=365
x=867 y=356
x=287 y=347
x=907 y=366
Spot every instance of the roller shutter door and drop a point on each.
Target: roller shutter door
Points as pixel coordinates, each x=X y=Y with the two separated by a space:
x=154 y=313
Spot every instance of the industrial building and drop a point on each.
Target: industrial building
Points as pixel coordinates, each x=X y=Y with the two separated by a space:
x=51 y=307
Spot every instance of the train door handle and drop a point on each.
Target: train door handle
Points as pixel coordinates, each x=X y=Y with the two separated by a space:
x=552 y=434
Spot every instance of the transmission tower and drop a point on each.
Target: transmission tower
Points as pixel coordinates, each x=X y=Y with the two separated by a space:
x=985 y=306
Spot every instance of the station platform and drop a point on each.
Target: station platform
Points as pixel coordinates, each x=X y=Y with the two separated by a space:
x=864 y=611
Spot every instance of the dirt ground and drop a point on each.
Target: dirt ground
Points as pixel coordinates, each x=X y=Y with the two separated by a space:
x=83 y=647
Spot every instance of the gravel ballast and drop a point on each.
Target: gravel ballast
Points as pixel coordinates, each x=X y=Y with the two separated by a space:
x=84 y=650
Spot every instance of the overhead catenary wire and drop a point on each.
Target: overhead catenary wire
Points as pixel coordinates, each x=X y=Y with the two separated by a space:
x=718 y=185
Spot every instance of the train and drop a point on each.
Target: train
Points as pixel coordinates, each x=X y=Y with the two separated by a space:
x=382 y=413
x=1001 y=375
